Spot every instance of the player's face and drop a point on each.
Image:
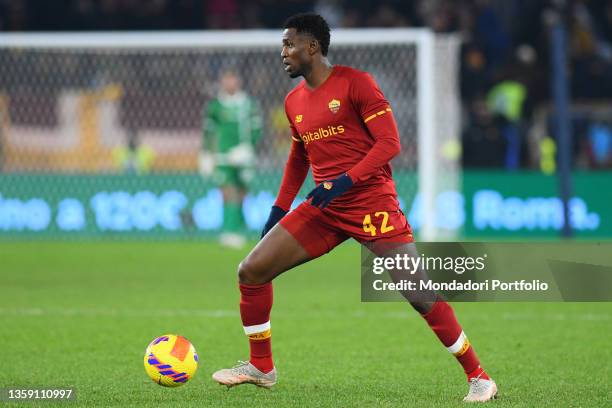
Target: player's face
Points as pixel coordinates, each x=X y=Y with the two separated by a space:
x=230 y=83
x=297 y=52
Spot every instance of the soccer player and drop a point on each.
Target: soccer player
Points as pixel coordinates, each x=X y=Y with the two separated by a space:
x=343 y=129
x=232 y=128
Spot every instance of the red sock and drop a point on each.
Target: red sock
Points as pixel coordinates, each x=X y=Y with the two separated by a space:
x=443 y=322
x=255 y=306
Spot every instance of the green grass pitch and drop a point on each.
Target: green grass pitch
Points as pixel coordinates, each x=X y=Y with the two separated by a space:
x=81 y=315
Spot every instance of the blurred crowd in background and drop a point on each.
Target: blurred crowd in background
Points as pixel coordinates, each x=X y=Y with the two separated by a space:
x=505 y=59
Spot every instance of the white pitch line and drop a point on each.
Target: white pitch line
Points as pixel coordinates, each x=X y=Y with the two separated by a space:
x=222 y=313
x=556 y=316
x=116 y=312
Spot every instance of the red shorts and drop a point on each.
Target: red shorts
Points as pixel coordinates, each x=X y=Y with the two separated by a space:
x=320 y=231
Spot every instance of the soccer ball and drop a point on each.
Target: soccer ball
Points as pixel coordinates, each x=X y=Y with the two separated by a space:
x=170 y=360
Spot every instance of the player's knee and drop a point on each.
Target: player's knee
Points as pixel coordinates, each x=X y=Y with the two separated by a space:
x=422 y=306
x=230 y=193
x=249 y=273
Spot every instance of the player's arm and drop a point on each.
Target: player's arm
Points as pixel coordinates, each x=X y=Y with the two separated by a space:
x=256 y=122
x=206 y=161
x=296 y=170
x=209 y=125
x=378 y=118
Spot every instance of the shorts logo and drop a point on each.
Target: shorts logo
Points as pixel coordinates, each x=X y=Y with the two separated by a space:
x=334 y=105
x=328 y=185
x=298 y=118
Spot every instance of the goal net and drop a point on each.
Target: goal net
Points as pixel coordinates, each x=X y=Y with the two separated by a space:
x=100 y=133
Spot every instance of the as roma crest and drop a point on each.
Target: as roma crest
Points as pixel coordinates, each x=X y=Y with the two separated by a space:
x=334 y=105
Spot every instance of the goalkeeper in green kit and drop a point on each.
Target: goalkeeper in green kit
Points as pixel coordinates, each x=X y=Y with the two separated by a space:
x=232 y=128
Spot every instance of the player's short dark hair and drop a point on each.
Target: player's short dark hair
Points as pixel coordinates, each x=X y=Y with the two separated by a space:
x=313 y=24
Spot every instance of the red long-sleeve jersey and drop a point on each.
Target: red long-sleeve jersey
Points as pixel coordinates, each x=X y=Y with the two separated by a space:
x=343 y=126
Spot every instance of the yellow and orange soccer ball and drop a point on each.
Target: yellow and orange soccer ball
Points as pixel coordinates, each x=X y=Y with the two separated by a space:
x=171 y=360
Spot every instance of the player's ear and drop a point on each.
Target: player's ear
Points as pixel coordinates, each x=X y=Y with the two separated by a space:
x=313 y=46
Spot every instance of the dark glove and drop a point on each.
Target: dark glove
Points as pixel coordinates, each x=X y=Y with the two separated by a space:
x=276 y=213
x=325 y=192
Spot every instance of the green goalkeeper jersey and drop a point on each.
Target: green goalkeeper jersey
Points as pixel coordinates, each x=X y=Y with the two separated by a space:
x=231 y=120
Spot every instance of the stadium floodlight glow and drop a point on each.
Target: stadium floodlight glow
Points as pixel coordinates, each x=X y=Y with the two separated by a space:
x=89 y=74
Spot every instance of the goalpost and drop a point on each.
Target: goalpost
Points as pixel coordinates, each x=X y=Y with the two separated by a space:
x=70 y=102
